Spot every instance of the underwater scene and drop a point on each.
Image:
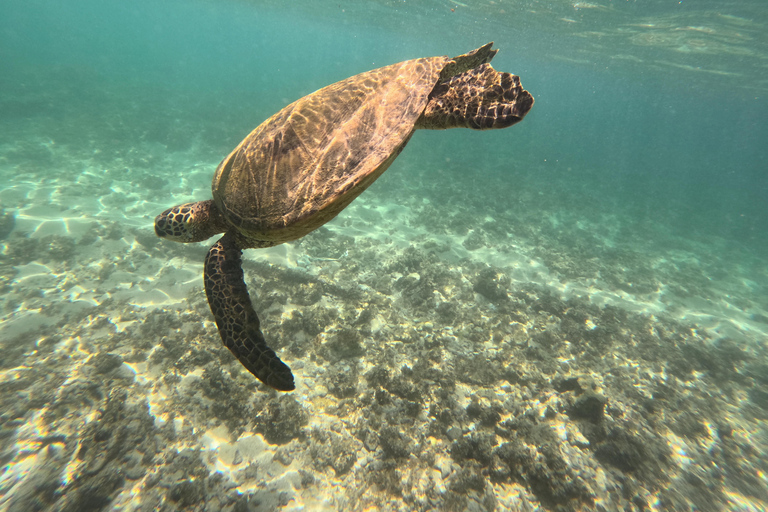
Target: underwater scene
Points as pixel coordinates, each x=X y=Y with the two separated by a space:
x=567 y=314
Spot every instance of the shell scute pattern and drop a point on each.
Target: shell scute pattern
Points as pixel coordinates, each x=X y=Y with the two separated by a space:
x=301 y=161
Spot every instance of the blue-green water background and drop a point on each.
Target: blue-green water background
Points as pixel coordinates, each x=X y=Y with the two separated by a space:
x=654 y=110
x=638 y=180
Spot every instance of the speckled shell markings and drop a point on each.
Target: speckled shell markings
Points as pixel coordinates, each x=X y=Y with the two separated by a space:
x=302 y=166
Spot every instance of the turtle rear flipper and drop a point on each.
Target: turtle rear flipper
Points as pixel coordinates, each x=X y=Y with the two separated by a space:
x=481 y=99
x=238 y=323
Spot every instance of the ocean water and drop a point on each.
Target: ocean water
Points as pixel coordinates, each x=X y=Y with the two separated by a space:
x=569 y=314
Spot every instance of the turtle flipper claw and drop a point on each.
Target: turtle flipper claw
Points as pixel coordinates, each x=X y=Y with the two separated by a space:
x=237 y=321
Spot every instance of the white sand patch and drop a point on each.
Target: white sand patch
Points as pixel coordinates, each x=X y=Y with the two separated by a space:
x=285 y=255
x=44 y=221
x=173 y=284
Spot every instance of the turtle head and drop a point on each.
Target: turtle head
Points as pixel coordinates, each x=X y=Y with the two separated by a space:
x=190 y=222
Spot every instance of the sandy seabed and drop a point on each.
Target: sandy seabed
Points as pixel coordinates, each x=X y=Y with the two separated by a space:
x=448 y=354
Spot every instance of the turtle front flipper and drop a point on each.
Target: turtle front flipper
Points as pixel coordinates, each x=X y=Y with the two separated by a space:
x=237 y=321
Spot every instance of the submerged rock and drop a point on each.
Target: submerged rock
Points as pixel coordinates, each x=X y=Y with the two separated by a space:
x=588 y=406
x=334 y=450
x=394 y=443
x=282 y=420
x=492 y=284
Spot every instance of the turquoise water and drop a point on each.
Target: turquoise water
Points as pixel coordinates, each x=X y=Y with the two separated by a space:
x=569 y=314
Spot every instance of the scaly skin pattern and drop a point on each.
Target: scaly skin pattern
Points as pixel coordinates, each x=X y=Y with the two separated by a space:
x=237 y=321
x=190 y=222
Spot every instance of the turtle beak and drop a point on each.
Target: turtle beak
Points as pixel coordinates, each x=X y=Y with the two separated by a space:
x=161 y=224
x=158 y=228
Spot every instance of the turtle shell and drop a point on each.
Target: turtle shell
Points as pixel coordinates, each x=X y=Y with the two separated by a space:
x=302 y=166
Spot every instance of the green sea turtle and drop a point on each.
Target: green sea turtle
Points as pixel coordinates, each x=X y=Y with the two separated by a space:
x=302 y=166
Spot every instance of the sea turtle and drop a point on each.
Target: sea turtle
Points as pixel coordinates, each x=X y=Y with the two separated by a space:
x=302 y=166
